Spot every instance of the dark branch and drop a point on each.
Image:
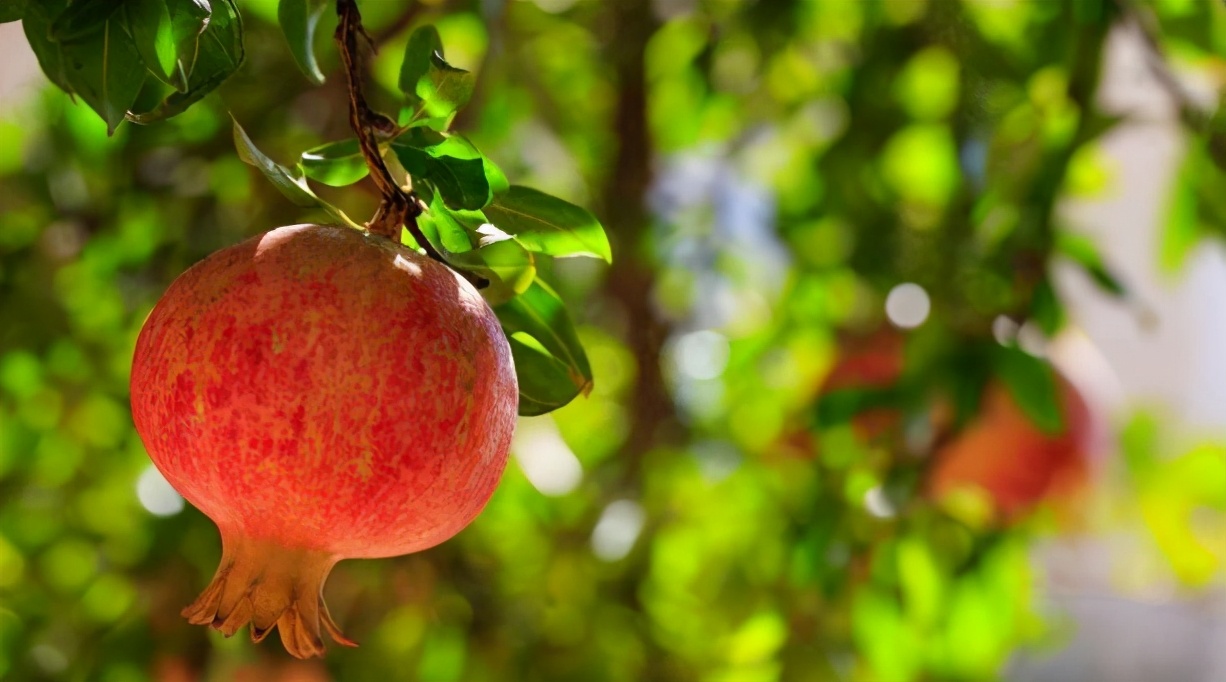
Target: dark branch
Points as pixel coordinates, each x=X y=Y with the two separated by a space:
x=397 y=206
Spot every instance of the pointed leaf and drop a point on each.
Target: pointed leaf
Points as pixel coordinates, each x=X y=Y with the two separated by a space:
x=299 y=18
x=11 y=10
x=1032 y=384
x=219 y=53
x=434 y=89
x=548 y=224
x=106 y=71
x=288 y=181
x=153 y=34
x=549 y=360
x=82 y=19
x=1085 y=253
x=451 y=163
x=337 y=163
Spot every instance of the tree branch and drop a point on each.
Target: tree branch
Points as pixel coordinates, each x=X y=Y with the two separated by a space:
x=398 y=206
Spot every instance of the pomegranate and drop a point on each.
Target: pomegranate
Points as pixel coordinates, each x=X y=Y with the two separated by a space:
x=1003 y=454
x=320 y=394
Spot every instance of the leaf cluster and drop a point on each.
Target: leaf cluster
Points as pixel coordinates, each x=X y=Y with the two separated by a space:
x=474 y=218
x=140 y=60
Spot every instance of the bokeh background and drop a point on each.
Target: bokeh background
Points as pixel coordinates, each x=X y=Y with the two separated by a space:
x=816 y=207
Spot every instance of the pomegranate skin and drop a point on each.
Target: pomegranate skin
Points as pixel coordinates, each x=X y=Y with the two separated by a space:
x=322 y=394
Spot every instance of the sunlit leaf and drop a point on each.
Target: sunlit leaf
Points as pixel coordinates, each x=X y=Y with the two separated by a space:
x=299 y=18
x=188 y=20
x=219 y=54
x=288 y=181
x=548 y=224
x=551 y=363
x=434 y=88
x=457 y=235
x=337 y=163
x=450 y=163
x=153 y=35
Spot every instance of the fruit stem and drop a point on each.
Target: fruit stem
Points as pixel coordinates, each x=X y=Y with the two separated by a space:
x=267 y=585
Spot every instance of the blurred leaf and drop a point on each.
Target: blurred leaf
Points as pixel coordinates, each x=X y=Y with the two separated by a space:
x=337 y=163
x=153 y=34
x=1083 y=251
x=11 y=10
x=218 y=55
x=923 y=585
x=1032 y=384
x=841 y=405
x=433 y=87
x=1046 y=309
x=82 y=18
x=1139 y=440
x=548 y=224
x=299 y=18
x=106 y=71
x=549 y=360
x=1181 y=230
x=290 y=183
x=450 y=163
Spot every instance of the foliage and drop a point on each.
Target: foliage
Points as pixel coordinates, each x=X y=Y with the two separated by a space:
x=104 y=51
x=768 y=172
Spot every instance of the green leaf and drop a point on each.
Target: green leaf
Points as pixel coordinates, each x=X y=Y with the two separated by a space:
x=153 y=34
x=188 y=20
x=508 y=266
x=337 y=163
x=219 y=53
x=548 y=224
x=11 y=10
x=37 y=24
x=449 y=231
x=299 y=18
x=1032 y=383
x=1046 y=309
x=1188 y=218
x=82 y=19
x=434 y=88
x=1084 y=252
x=287 y=181
x=449 y=162
x=106 y=71
x=549 y=360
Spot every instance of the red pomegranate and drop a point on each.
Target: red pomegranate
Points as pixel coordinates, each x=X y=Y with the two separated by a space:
x=1003 y=454
x=321 y=394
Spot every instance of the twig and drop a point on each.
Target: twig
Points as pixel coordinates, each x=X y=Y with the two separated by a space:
x=397 y=207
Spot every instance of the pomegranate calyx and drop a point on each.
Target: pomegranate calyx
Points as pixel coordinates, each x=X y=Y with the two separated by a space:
x=267 y=585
